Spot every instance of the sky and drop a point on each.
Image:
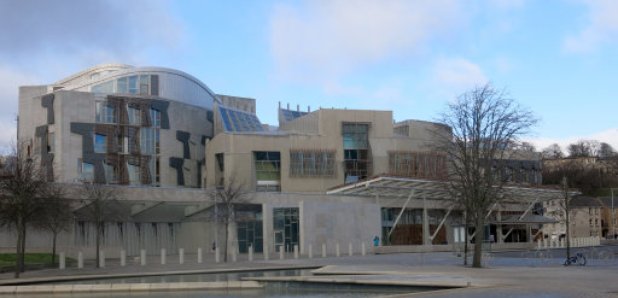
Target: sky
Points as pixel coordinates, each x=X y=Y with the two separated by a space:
x=557 y=58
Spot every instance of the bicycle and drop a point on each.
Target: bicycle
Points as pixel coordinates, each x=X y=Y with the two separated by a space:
x=578 y=259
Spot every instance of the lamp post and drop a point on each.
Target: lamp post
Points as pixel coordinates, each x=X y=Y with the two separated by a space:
x=613 y=216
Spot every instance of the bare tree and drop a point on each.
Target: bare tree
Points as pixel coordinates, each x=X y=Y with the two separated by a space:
x=22 y=199
x=226 y=197
x=57 y=215
x=552 y=151
x=607 y=151
x=584 y=148
x=485 y=124
x=98 y=200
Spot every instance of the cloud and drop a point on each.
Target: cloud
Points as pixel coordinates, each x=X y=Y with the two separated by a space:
x=321 y=40
x=601 y=27
x=609 y=136
x=457 y=75
x=43 y=41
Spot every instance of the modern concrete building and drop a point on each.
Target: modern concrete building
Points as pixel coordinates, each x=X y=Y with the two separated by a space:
x=585 y=218
x=330 y=177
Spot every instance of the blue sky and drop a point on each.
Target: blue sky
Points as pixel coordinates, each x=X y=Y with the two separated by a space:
x=556 y=57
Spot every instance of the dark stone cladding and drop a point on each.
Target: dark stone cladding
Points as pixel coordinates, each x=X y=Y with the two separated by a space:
x=184 y=137
x=86 y=130
x=47 y=101
x=177 y=163
x=47 y=158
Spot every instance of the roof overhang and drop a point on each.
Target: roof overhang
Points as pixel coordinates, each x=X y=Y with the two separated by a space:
x=398 y=187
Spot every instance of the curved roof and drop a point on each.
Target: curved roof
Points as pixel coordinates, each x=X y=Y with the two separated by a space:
x=85 y=79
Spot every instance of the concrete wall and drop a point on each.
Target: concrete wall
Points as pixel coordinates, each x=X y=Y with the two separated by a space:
x=343 y=223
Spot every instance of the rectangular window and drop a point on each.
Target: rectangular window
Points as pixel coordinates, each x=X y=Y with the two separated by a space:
x=107 y=87
x=312 y=163
x=267 y=170
x=135 y=115
x=147 y=140
x=144 y=84
x=50 y=142
x=100 y=143
x=357 y=161
x=122 y=86
x=86 y=171
x=430 y=165
x=133 y=87
x=134 y=174
x=105 y=112
x=111 y=176
x=155 y=117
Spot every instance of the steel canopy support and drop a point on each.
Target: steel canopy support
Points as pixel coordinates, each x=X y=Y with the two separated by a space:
x=435 y=233
x=400 y=213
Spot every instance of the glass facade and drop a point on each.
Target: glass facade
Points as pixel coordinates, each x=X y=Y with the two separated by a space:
x=267 y=170
x=136 y=84
x=285 y=221
x=357 y=161
x=105 y=112
x=312 y=163
x=100 y=143
x=234 y=120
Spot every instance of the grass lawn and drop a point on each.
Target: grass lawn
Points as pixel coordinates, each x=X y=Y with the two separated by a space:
x=8 y=259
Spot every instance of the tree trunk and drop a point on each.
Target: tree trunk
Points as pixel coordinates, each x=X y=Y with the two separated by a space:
x=225 y=242
x=478 y=241
x=18 y=252
x=466 y=242
x=23 y=249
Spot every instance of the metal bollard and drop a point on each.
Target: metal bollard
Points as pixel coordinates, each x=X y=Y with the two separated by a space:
x=142 y=257
x=310 y=252
x=295 y=251
x=181 y=256
x=363 y=249
x=281 y=253
x=123 y=258
x=350 y=253
x=199 y=255
x=80 y=260
x=61 y=261
x=163 y=256
x=250 y=253
x=217 y=257
x=323 y=250
x=337 y=252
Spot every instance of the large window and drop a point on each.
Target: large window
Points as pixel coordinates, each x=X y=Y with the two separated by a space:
x=357 y=163
x=86 y=171
x=135 y=114
x=100 y=143
x=105 y=112
x=417 y=164
x=285 y=228
x=134 y=173
x=312 y=163
x=267 y=170
x=111 y=174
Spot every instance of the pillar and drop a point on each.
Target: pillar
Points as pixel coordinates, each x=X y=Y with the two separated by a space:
x=499 y=236
x=426 y=236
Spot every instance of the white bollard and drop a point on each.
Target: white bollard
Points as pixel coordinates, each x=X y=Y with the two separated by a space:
x=250 y=253
x=295 y=251
x=350 y=252
x=310 y=252
x=281 y=253
x=266 y=252
x=163 y=256
x=323 y=250
x=80 y=260
x=181 y=256
x=101 y=259
x=61 y=261
x=217 y=257
x=337 y=252
x=199 y=255
x=123 y=258
x=363 y=249
x=142 y=257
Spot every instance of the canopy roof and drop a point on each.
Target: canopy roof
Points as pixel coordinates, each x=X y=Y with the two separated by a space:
x=397 y=187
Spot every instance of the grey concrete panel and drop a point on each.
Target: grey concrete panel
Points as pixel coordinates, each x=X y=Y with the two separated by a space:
x=47 y=158
x=88 y=156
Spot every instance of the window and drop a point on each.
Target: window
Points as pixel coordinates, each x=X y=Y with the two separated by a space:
x=133 y=87
x=107 y=87
x=122 y=86
x=50 y=142
x=267 y=170
x=155 y=117
x=135 y=115
x=312 y=163
x=417 y=164
x=111 y=176
x=144 y=84
x=100 y=143
x=134 y=174
x=105 y=112
x=357 y=162
x=86 y=171
x=147 y=140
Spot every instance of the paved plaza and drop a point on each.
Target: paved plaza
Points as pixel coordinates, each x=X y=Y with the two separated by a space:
x=507 y=274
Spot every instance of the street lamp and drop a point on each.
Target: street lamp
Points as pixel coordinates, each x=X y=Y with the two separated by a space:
x=613 y=216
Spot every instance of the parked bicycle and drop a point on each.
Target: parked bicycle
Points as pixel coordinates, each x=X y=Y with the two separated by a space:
x=578 y=259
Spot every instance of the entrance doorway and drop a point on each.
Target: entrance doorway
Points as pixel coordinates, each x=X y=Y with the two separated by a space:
x=285 y=228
